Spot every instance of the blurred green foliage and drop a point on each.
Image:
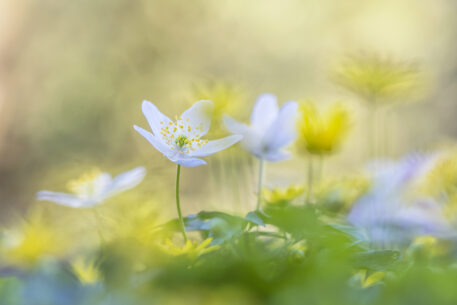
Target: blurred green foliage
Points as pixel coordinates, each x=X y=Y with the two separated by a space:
x=288 y=255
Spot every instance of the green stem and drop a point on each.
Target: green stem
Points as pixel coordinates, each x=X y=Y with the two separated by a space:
x=259 y=187
x=373 y=132
x=310 y=180
x=386 y=122
x=98 y=225
x=320 y=167
x=178 y=205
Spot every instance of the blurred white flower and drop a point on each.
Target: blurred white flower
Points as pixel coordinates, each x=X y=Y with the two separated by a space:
x=180 y=140
x=387 y=212
x=271 y=128
x=94 y=188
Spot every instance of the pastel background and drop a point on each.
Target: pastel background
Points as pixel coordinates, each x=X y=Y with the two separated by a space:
x=73 y=75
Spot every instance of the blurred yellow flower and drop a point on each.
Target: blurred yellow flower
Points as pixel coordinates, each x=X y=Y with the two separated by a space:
x=86 y=271
x=368 y=280
x=35 y=239
x=280 y=195
x=377 y=79
x=227 y=99
x=428 y=246
x=441 y=179
x=191 y=249
x=298 y=251
x=450 y=208
x=440 y=182
x=339 y=194
x=425 y=240
x=321 y=133
x=133 y=220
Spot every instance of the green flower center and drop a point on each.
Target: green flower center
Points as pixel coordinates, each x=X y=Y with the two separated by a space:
x=181 y=141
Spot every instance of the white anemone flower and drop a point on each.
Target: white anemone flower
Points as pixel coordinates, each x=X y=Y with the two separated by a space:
x=391 y=217
x=271 y=129
x=181 y=140
x=94 y=188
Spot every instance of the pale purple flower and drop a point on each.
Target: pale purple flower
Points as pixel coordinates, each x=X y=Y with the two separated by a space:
x=271 y=129
x=389 y=215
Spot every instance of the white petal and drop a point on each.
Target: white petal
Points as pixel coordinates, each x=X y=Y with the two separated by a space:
x=217 y=145
x=282 y=131
x=252 y=140
x=264 y=112
x=275 y=156
x=64 y=199
x=101 y=184
x=199 y=116
x=234 y=126
x=126 y=181
x=154 y=117
x=155 y=141
x=189 y=162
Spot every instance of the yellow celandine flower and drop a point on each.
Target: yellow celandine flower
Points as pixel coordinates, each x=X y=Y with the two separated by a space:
x=298 y=251
x=279 y=195
x=450 y=208
x=191 y=249
x=321 y=133
x=429 y=245
x=441 y=179
x=440 y=182
x=227 y=99
x=425 y=240
x=377 y=79
x=34 y=240
x=371 y=279
x=341 y=193
x=86 y=271
x=133 y=220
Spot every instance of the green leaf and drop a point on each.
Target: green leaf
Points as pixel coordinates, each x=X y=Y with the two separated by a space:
x=376 y=260
x=357 y=235
x=299 y=221
x=254 y=217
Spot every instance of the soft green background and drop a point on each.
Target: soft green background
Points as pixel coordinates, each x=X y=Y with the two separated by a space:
x=73 y=75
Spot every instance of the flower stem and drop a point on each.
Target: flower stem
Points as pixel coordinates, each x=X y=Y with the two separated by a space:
x=320 y=167
x=373 y=132
x=310 y=180
x=178 y=205
x=98 y=224
x=259 y=188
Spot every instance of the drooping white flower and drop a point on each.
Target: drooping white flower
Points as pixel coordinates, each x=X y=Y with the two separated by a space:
x=391 y=217
x=271 y=129
x=181 y=140
x=94 y=188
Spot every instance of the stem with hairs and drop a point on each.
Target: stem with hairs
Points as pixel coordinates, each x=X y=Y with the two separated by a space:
x=178 y=205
